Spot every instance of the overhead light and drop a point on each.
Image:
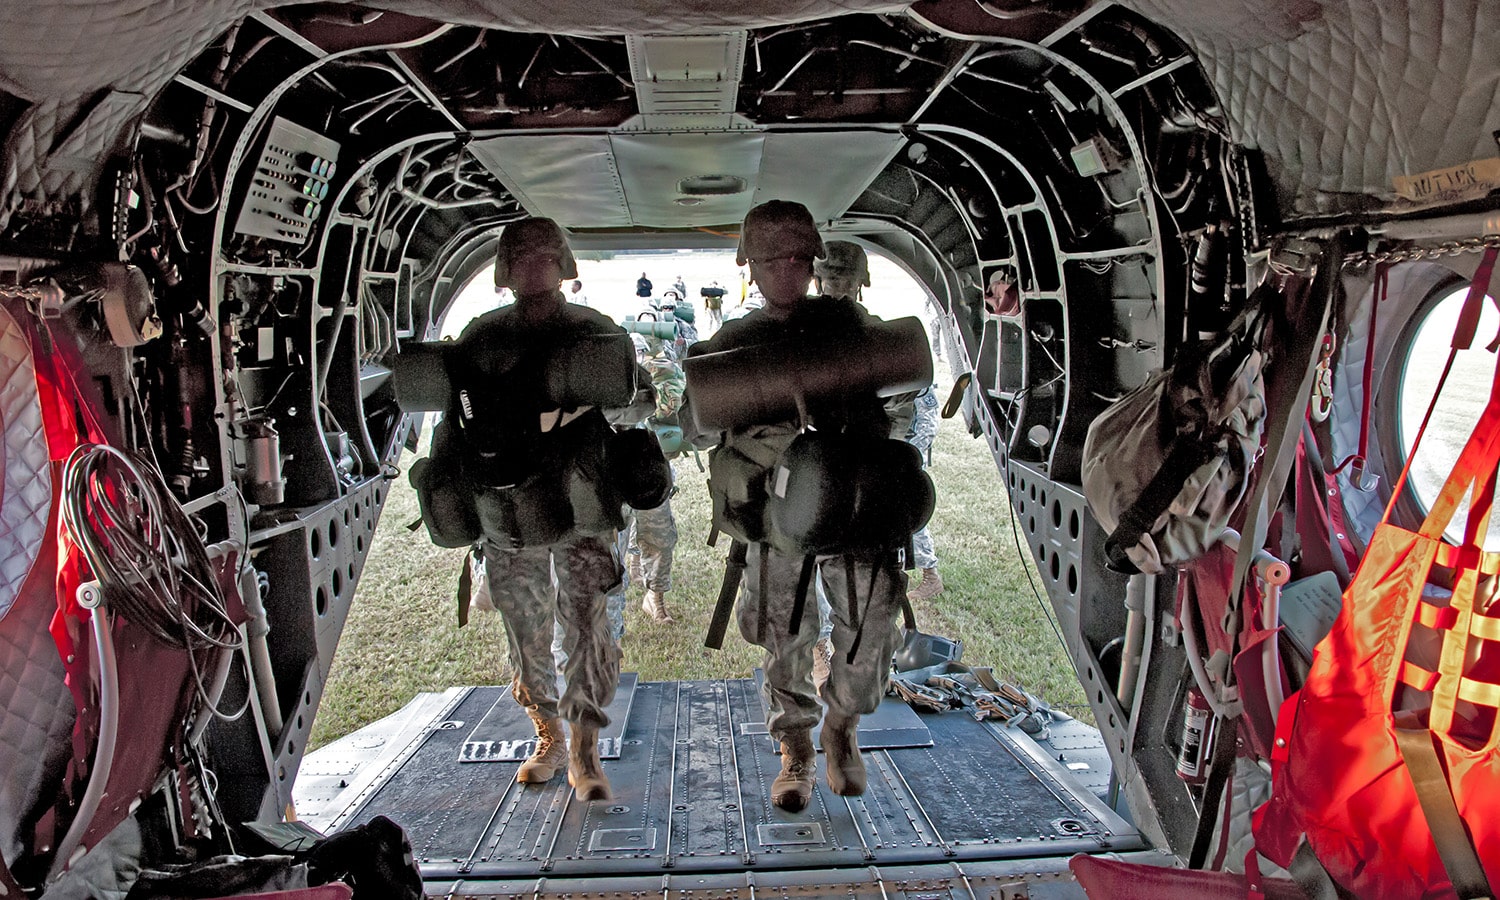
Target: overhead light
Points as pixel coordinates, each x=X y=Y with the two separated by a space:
x=688 y=201
x=712 y=185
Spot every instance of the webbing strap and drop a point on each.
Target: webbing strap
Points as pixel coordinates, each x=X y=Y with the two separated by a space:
x=1184 y=458
x=1307 y=870
x=1484 y=693
x=763 y=595
x=1485 y=627
x=1307 y=305
x=1453 y=556
x=1226 y=736
x=1382 y=289
x=799 y=605
x=1440 y=617
x=1454 y=847
x=1413 y=675
x=734 y=570
x=859 y=618
x=465 y=588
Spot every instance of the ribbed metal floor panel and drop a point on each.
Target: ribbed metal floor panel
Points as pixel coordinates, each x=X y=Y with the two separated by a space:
x=691 y=795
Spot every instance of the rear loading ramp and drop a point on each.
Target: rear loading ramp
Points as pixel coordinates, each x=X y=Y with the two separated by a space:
x=691 y=787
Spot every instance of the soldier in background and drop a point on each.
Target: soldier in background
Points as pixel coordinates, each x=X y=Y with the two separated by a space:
x=653 y=534
x=566 y=580
x=914 y=417
x=576 y=294
x=780 y=241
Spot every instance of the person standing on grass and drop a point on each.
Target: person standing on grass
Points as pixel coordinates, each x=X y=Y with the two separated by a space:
x=779 y=240
x=653 y=532
x=576 y=294
x=713 y=303
x=522 y=449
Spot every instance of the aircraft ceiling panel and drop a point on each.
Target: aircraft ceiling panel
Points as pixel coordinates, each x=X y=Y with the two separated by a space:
x=1343 y=95
x=570 y=178
x=826 y=171
x=652 y=165
x=633 y=16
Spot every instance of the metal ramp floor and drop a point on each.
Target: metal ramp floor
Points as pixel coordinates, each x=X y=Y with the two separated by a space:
x=691 y=785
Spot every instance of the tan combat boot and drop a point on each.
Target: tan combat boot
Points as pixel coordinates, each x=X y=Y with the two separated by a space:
x=550 y=754
x=655 y=606
x=585 y=772
x=930 y=586
x=792 y=789
x=822 y=662
x=635 y=569
x=840 y=740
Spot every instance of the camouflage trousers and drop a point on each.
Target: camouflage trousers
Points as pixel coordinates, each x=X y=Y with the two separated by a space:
x=863 y=591
x=614 y=609
x=567 y=583
x=924 y=554
x=653 y=536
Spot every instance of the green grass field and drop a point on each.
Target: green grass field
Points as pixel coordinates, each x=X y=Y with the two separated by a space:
x=403 y=638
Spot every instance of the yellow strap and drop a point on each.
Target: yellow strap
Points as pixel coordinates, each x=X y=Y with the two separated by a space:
x=1483 y=693
x=1485 y=627
x=1451 y=556
x=1415 y=676
x=1438 y=617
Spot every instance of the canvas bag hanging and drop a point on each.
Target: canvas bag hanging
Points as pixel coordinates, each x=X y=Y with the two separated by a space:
x=1386 y=762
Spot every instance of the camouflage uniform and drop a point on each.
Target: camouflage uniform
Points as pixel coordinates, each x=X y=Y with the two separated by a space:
x=653 y=537
x=769 y=589
x=921 y=434
x=568 y=581
x=522 y=588
x=614 y=609
x=854 y=687
x=653 y=534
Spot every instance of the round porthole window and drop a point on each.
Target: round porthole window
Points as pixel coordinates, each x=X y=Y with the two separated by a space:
x=1458 y=408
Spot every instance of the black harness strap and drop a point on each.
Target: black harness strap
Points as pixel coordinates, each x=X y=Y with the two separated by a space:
x=809 y=566
x=763 y=596
x=465 y=587
x=1435 y=795
x=1183 y=459
x=854 y=615
x=734 y=570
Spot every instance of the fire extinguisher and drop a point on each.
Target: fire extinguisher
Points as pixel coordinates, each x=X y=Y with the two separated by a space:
x=1197 y=737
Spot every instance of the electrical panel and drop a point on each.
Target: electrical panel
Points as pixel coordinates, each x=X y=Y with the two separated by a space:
x=289 y=184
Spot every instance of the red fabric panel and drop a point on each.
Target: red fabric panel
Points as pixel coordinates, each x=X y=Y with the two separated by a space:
x=1113 y=879
x=155 y=685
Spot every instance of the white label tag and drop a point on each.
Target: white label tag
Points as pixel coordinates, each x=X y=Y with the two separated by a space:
x=783 y=474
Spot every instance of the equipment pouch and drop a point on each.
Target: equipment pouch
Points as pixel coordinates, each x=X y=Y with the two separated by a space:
x=444 y=493
x=636 y=469
x=737 y=487
x=843 y=494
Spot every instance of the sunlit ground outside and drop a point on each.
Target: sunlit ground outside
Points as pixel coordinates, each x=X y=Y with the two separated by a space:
x=403 y=637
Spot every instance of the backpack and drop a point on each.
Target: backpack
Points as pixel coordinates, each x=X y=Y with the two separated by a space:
x=445 y=494
x=1165 y=466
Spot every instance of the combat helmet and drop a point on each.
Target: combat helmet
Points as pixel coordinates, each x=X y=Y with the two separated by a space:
x=845 y=260
x=529 y=235
x=779 y=228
